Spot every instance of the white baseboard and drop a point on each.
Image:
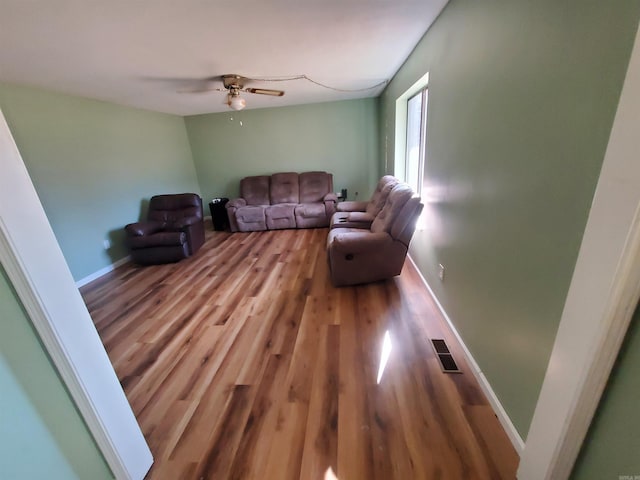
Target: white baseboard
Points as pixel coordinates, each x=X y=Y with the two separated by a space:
x=90 y=278
x=498 y=409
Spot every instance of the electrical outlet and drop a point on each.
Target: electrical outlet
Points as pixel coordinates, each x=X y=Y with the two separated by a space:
x=106 y=243
x=441 y=272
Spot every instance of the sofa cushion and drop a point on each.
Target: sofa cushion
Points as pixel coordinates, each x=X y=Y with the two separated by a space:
x=311 y=210
x=174 y=201
x=284 y=188
x=314 y=186
x=173 y=207
x=160 y=255
x=379 y=197
x=398 y=197
x=159 y=239
x=255 y=190
x=404 y=223
x=251 y=218
x=173 y=216
x=282 y=210
x=280 y=216
x=311 y=215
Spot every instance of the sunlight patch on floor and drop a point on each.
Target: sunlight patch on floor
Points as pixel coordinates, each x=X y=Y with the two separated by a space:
x=329 y=475
x=384 y=356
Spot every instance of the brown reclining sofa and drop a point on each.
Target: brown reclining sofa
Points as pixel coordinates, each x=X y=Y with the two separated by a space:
x=372 y=245
x=283 y=200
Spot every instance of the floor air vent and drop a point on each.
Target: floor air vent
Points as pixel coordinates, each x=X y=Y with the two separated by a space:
x=447 y=363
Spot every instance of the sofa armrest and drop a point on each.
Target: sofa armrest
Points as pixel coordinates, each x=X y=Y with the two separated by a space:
x=140 y=229
x=352 y=206
x=232 y=206
x=330 y=197
x=358 y=242
x=236 y=203
x=183 y=223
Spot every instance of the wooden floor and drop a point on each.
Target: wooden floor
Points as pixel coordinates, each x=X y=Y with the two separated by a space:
x=243 y=362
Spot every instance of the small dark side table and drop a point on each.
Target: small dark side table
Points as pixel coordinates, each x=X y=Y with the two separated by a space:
x=219 y=216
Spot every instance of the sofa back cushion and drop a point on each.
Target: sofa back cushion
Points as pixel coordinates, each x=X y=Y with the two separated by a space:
x=379 y=197
x=314 y=186
x=171 y=208
x=255 y=190
x=398 y=197
x=284 y=188
x=405 y=223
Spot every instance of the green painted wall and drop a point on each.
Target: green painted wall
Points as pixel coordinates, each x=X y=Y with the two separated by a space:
x=522 y=97
x=41 y=435
x=94 y=165
x=612 y=444
x=338 y=137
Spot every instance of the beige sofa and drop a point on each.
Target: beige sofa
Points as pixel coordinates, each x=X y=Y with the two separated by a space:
x=362 y=255
x=283 y=200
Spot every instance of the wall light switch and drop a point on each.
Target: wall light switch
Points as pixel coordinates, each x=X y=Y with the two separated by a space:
x=441 y=272
x=106 y=243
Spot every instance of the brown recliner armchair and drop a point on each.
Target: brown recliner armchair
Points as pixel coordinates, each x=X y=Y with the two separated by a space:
x=357 y=255
x=174 y=230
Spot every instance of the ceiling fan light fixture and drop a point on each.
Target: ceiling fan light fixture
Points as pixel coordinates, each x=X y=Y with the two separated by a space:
x=237 y=102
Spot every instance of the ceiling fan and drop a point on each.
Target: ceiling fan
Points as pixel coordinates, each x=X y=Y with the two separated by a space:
x=235 y=84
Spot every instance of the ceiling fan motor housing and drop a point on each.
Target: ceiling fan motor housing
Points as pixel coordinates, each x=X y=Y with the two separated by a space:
x=235 y=82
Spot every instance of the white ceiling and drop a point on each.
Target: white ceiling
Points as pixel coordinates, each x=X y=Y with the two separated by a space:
x=145 y=53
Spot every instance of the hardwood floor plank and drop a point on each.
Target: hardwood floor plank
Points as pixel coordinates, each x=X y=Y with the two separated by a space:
x=320 y=451
x=245 y=363
x=287 y=442
x=174 y=377
x=355 y=456
x=257 y=354
x=300 y=375
x=251 y=459
x=288 y=315
x=168 y=427
x=223 y=444
x=212 y=392
x=492 y=440
x=391 y=455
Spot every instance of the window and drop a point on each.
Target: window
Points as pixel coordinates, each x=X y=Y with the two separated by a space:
x=416 y=140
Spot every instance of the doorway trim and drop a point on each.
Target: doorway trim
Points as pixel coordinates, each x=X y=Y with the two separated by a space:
x=602 y=298
x=31 y=256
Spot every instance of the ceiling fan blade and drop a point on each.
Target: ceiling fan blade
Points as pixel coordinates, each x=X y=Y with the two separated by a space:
x=265 y=91
x=201 y=90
